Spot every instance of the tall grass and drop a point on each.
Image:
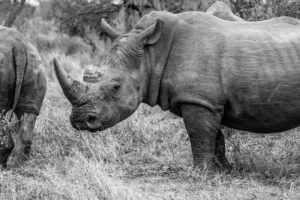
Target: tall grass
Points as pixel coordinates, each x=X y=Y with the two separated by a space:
x=145 y=157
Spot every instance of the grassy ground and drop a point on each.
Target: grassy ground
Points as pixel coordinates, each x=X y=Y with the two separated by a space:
x=147 y=156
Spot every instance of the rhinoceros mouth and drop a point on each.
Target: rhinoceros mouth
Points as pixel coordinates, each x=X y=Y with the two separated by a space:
x=90 y=125
x=81 y=126
x=89 y=128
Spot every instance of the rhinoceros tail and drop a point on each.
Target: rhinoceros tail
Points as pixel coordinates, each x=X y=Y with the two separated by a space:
x=20 y=61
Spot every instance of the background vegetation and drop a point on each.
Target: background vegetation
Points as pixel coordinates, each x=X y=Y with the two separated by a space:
x=148 y=155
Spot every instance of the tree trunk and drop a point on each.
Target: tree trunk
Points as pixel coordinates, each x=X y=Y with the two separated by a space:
x=15 y=10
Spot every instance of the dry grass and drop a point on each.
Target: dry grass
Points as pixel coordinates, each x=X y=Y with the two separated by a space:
x=147 y=156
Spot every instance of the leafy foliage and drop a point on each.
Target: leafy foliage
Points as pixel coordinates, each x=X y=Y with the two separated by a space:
x=82 y=16
x=287 y=8
x=255 y=10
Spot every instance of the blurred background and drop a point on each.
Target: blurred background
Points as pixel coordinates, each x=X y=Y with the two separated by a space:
x=69 y=28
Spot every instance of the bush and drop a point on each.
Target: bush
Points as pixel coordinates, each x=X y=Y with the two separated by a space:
x=46 y=37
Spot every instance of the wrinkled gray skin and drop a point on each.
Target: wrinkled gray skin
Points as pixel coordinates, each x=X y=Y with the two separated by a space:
x=210 y=71
x=22 y=89
x=223 y=11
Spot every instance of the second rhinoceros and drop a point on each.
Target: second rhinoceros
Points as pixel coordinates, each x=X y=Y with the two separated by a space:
x=211 y=72
x=22 y=90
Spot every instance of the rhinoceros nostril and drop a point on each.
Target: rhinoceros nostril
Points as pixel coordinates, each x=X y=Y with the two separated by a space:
x=91 y=119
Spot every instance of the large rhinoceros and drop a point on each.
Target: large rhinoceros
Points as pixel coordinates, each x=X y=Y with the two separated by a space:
x=244 y=75
x=22 y=90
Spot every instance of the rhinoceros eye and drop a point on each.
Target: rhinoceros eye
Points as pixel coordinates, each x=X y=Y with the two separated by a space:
x=116 y=90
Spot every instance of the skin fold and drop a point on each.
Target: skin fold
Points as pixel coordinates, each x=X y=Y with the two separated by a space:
x=210 y=71
x=22 y=89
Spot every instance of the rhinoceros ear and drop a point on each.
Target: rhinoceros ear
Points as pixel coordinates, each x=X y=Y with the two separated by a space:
x=152 y=34
x=108 y=30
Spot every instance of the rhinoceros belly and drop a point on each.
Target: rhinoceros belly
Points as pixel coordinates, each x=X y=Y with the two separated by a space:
x=264 y=102
x=264 y=118
x=261 y=79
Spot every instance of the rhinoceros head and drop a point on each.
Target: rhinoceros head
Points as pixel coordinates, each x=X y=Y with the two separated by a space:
x=115 y=90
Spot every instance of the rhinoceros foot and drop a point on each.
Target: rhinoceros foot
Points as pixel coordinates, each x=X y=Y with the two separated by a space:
x=222 y=163
x=16 y=160
x=211 y=168
x=19 y=155
x=220 y=158
x=208 y=161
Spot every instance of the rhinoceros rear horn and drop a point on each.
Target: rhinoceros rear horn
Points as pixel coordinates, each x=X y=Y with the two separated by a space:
x=73 y=90
x=108 y=30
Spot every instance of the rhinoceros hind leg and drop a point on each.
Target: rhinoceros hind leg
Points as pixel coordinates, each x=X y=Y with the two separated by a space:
x=220 y=158
x=23 y=140
x=202 y=126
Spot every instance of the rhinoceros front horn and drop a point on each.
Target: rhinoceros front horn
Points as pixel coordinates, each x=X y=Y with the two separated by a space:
x=73 y=90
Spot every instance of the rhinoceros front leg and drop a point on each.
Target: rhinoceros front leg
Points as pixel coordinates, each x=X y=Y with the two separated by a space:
x=203 y=128
x=23 y=140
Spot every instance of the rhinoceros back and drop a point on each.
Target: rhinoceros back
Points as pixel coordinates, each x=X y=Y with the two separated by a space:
x=23 y=83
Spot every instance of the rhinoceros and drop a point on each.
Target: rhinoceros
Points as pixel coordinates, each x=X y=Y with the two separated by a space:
x=211 y=72
x=22 y=90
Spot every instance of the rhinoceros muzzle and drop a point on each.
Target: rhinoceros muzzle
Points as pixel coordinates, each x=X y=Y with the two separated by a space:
x=89 y=122
x=83 y=116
